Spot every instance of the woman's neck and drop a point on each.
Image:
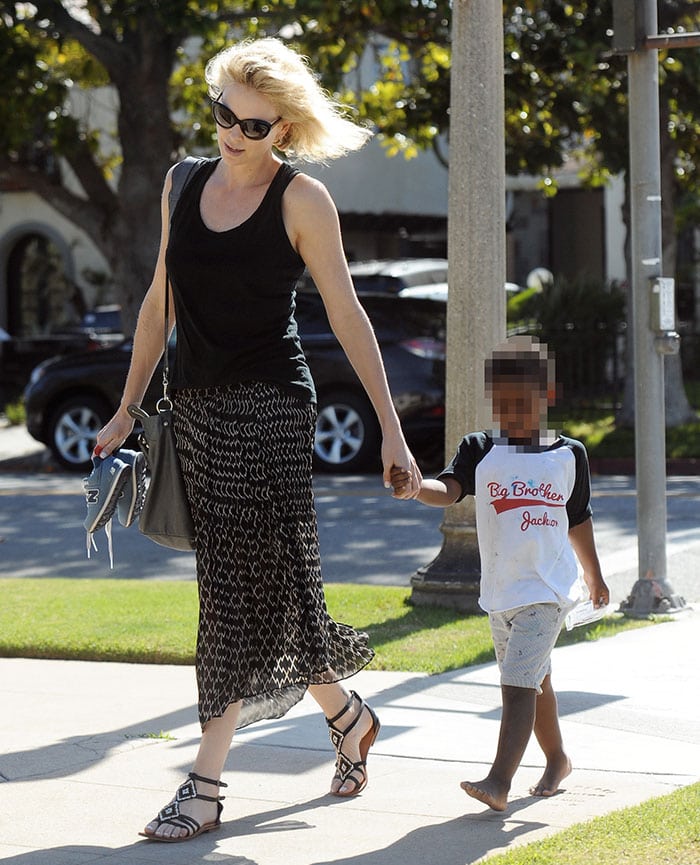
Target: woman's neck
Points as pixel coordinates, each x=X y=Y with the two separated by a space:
x=246 y=176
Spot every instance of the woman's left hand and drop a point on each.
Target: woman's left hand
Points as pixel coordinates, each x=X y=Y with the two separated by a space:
x=395 y=453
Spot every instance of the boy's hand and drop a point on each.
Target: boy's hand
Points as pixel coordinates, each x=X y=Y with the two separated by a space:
x=598 y=591
x=400 y=481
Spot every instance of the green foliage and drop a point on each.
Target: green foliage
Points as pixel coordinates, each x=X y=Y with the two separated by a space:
x=554 y=71
x=564 y=89
x=14 y=412
x=521 y=308
x=580 y=320
x=584 y=304
x=596 y=428
x=33 y=97
x=566 y=93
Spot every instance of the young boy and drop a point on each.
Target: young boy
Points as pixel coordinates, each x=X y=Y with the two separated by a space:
x=533 y=513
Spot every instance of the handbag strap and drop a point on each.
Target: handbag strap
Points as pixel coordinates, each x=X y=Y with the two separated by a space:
x=182 y=173
x=165 y=403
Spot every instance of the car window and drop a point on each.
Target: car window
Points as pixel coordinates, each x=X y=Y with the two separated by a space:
x=424 y=277
x=377 y=282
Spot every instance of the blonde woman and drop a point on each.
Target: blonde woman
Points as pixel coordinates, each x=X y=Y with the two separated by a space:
x=243 y=230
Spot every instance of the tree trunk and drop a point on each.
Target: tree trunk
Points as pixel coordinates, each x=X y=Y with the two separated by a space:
x=147 y=147
x=147 y=144
x=678 y=409
x=625 y=414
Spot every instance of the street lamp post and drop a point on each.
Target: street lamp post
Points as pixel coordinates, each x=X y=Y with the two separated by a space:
x=653 y=316
x=476 y=255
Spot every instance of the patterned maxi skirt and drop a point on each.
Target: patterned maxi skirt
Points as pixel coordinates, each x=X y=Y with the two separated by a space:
x=264 y=630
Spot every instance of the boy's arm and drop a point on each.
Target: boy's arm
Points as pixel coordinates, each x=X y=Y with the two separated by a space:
x=581 y=538
x=438 y=493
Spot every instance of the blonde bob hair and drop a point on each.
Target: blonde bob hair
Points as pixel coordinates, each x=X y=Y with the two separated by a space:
x=318 y=129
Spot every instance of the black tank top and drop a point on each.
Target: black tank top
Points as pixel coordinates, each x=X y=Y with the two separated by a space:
x=235 y=295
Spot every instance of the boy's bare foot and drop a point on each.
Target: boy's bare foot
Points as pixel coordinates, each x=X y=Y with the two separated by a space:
x=554 y=774
x=488 y=792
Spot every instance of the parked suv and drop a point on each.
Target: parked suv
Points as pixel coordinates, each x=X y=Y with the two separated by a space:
x=68 y=399
x=98 y=328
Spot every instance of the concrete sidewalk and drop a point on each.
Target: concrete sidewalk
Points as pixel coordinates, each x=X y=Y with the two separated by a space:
x=92 y=751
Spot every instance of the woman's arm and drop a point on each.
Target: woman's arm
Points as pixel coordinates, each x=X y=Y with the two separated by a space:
x=312 y=224
x=147 y=345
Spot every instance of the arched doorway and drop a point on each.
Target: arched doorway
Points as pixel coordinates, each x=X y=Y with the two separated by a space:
x=42 y=298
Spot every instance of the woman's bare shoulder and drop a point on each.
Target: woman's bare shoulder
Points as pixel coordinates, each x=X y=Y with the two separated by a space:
x=309 y=212
x=306 y=191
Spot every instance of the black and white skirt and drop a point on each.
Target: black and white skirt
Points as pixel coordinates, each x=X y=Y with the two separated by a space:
x=264 y=631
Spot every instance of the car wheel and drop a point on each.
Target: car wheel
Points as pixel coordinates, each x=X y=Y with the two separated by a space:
x=73 y=428
x=347 y=433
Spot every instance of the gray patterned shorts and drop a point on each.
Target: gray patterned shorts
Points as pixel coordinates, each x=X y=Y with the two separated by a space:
x=523 y=639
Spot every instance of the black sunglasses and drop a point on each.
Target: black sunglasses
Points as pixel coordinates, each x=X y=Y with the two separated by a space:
x=254 y=129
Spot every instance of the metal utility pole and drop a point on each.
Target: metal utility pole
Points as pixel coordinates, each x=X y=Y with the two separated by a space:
x=653 y=313
x=476 y=254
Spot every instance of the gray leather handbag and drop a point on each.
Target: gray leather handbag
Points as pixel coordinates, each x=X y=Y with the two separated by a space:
x=165 y=517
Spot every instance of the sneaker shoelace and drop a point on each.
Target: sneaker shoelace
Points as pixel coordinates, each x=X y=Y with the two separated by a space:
x=92 y=545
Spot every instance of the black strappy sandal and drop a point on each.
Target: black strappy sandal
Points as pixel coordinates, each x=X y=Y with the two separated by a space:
x=344 y=768
x=171 y=815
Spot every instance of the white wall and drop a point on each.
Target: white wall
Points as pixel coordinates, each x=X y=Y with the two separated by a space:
x=370 y=182
x=23 y=213
x=615 y=266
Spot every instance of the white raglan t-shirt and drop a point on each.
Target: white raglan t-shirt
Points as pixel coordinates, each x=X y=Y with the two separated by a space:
x=527 y=499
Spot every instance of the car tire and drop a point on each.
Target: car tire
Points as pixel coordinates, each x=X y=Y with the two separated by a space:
x=72 y=430
x=347 y=433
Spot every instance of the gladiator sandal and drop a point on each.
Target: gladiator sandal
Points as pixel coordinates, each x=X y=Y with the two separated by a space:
x=171 y=816
x=345 y=770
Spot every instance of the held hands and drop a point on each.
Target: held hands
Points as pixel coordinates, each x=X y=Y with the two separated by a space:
x=401 y=482
x=395 y=454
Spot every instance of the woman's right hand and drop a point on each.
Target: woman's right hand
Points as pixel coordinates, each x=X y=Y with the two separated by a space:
x=114 y=433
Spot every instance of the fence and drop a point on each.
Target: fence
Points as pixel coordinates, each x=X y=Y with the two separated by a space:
x=591 y=361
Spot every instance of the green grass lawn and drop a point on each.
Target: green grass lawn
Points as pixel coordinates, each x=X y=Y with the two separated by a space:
x=596 y=429
x=155 y=622
x=662 y=831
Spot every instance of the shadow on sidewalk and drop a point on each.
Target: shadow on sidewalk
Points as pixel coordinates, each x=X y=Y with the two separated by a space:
x=71 y=755
x=74 y=854
x=455 y=842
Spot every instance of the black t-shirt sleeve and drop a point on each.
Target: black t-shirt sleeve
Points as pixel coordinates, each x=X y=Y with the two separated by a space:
x=472 y=449
x=578 y=507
